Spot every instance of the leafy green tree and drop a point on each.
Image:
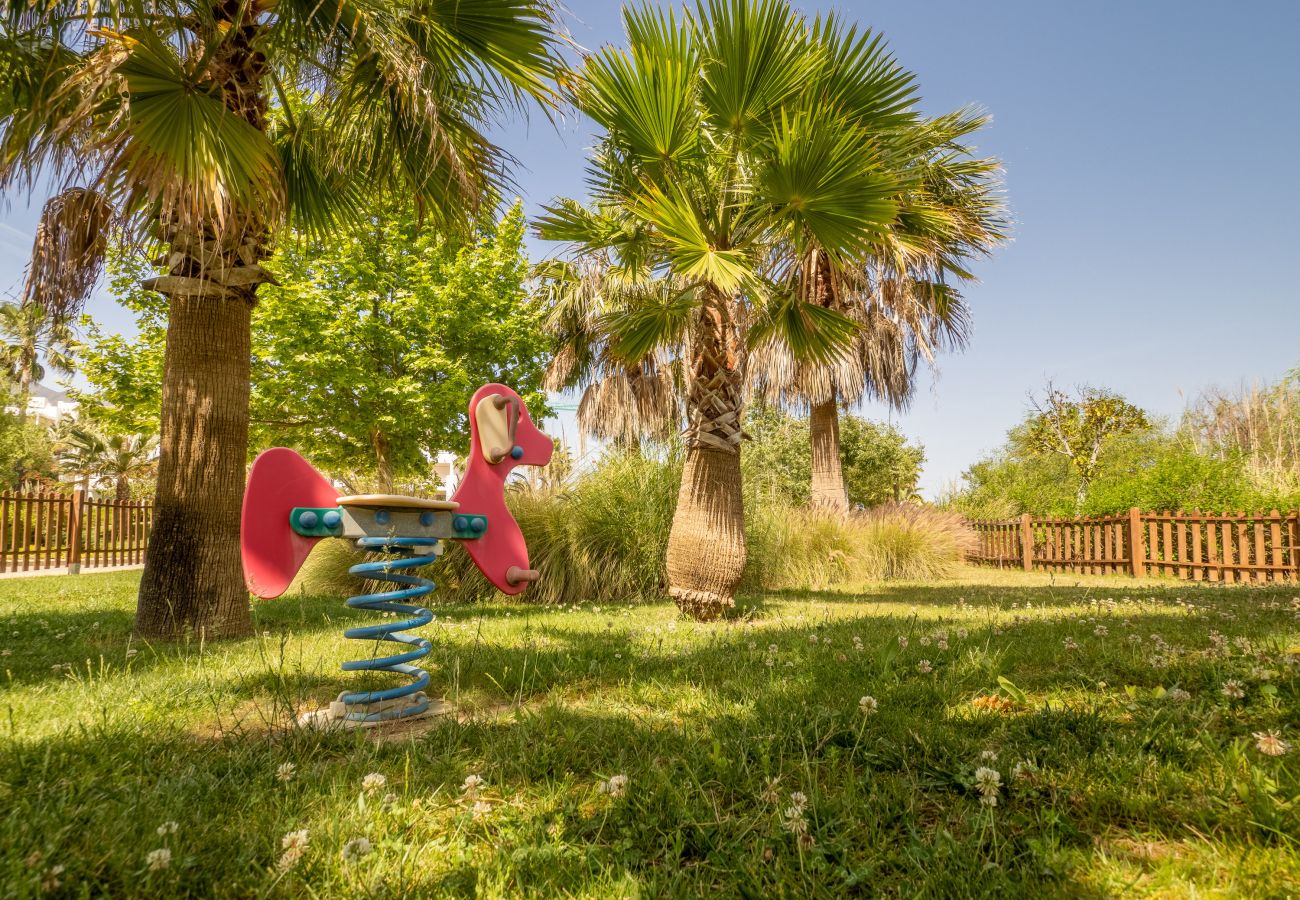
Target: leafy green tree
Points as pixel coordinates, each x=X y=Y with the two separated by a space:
x=26 y=452
x=880 y=464
x=366 y=357
x=210 y=127
x=1078 y=429
x=124 y=374
x=1015 y=479
x=720 y=151
x=1154 y=469
x=366 y=354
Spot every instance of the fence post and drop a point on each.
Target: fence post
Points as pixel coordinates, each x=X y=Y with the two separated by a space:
x=1295 y=544
x=74 y=532
x=1027 y=542
x=1137 y=548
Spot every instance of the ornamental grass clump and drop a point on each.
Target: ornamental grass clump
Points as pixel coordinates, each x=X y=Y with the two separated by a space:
x=602 y=536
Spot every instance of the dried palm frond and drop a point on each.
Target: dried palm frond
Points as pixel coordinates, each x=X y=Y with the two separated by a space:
x=623 y=400
x=68 y=251
x=627 y=404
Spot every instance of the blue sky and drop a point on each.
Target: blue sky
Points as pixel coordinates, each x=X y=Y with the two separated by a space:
x=1149 y=151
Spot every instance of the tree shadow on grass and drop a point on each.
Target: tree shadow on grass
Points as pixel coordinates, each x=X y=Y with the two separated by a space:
x=569 y=665
x=695 y=820
x=699 y=728
x=720 y=701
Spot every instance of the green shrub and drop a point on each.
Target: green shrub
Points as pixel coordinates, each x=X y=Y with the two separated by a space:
x=603 y=538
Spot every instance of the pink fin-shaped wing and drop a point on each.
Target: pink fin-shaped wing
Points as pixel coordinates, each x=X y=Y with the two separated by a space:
x=273 y=553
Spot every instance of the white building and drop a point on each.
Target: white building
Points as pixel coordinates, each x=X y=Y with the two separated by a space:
x=445 y=470
x=51 y=405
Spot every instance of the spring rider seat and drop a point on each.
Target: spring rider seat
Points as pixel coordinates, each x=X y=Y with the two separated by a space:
x=289 y=507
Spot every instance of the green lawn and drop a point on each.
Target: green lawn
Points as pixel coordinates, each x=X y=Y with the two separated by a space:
x=1112 y=782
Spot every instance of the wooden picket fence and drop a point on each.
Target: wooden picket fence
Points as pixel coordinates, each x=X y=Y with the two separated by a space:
x=49 y=530
x=1245 y=547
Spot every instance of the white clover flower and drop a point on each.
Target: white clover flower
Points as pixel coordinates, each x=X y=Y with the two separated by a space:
x=902 y=642
x=616 y=786
x=285 y=771
x=159 y=859
x=812 y=638
x=924 y=667
x=295 y=840
x=354 y=849
x=470 y=787
x=868 y=705
x=1233 y=689
x=1070 y=644
x=799 y=799
x=989 y=755
x=167 y=828
x=794 y=822
x=6 y=652
x=1101 y=631
x=961 y=633
x=480 y=809
x=1270 y=743
x=373 y=782
x=1178 y=695
x=988 y=782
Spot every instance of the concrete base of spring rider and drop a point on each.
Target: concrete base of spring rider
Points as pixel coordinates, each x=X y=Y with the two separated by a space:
x=336 y=714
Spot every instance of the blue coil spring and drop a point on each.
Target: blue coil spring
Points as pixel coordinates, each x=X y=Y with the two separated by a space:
x=412 y=553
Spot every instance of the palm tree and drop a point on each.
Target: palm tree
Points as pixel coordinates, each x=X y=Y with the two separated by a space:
x=78 y=449
x=98 y=458
x=900 y=290
x=715 y=158
x=210 y=127
x=31 y=337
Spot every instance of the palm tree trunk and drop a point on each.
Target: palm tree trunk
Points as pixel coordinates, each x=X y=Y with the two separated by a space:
x=706 y=544
x=193 y=580
x=122 y=489
x=25 y=385
x=827 y=485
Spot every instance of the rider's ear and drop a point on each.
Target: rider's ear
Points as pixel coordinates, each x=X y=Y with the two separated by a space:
x=497 y=417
